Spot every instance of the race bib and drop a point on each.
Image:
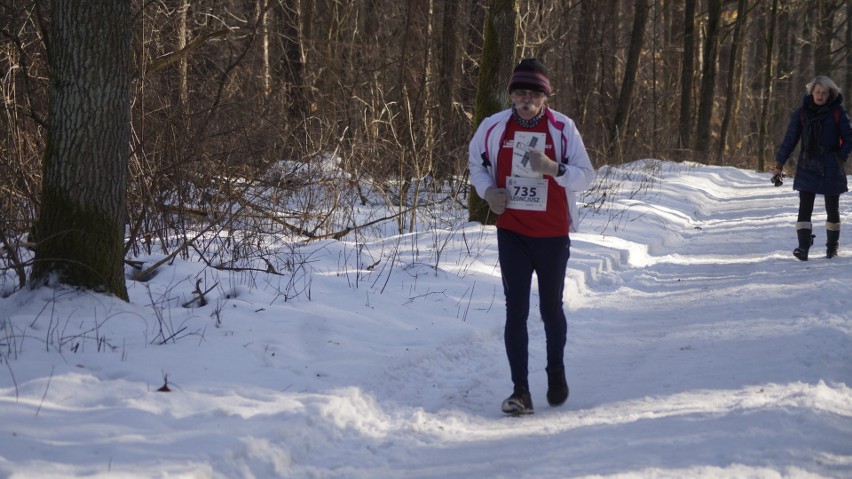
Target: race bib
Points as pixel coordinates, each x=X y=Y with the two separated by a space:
x=527 y=193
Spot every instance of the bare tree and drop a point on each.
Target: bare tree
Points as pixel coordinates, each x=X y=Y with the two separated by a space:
x=735 y=67
x=183 y=38
x=768 y=90
x=640 y=18
x=847 y=50
x=805 y=46
x=687 y=74
x=825 y=10
x=784 y=60
x=708 y=76
x=292 y=64
x=584 y=66
x=448 y=71
x=80 y=227
x=498 y=58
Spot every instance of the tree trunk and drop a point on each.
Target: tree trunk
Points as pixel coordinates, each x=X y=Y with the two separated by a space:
x=609 y=42
x=708 y=77
x=642 y=7
x=805 y=43
x=786 y=82
x=498 y=61
x=294 y=75
x=687 y=74
x=266 y=69
x=447 y=73
x=824 y=33
x=584 y=67
x=735 y=66
x=183 y=37
x=80 y=227
x=768 y=74
x=847 y=49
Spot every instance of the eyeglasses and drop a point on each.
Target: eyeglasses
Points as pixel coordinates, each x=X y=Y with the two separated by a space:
x=531 y=93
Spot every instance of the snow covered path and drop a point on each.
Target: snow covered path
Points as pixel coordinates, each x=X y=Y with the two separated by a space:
x=697 y=347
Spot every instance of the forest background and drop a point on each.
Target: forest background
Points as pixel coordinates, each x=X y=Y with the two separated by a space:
x=243 y=110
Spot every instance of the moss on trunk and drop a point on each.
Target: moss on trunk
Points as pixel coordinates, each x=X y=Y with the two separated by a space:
x=84 y=247
x=501 y=32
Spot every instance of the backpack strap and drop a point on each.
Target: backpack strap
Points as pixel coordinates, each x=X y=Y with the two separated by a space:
x=837 y=125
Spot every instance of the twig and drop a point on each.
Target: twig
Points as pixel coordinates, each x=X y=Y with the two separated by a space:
x=469 y=298
x=14 y=381
x=165 y=387
x=46 y=388
x=176 y=56
x=202 y=300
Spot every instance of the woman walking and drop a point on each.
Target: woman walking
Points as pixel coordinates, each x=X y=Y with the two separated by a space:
x=822 y=124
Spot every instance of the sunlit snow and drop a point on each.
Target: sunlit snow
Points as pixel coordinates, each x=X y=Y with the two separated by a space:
x=698 y=346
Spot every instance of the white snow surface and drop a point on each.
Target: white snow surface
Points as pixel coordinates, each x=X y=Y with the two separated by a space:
x=698 y=346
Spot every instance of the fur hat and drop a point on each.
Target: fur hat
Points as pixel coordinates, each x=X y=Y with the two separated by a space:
x=530 y=74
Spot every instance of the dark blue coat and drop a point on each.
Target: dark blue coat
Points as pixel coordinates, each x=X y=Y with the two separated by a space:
x=823 y=169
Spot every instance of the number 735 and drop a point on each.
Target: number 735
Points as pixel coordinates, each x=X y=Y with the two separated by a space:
x=526 y=191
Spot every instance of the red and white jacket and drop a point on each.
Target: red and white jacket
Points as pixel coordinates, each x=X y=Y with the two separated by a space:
x=567 y=143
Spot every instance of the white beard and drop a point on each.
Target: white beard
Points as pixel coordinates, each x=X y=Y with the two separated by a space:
x=527 y=108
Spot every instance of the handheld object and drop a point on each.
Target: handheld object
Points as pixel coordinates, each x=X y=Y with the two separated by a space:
x=526 y=159
x=777 y=179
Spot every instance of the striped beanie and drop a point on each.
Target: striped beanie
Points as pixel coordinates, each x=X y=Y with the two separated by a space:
x=530 y=74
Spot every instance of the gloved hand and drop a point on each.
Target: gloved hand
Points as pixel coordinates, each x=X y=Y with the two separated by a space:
x=540 y=163
x=777 y=176
x=496 y=198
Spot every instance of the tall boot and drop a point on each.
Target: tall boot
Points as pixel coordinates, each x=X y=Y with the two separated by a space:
x=832 y=234
x=806 y=239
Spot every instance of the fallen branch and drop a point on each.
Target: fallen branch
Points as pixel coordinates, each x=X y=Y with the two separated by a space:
x=201 y=295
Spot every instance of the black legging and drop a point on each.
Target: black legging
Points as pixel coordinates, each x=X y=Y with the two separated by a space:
x=806 y=207
x=520 y=257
